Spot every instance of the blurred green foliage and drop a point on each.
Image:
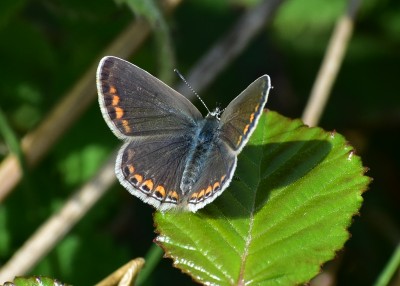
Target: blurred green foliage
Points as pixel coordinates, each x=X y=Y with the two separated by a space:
x=46 y=46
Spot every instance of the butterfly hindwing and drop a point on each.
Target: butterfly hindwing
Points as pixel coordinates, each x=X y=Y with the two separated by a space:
x=216 y=175
x=152 y=169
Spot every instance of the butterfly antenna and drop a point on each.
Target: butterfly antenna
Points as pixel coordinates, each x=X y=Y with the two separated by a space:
x=189 y=86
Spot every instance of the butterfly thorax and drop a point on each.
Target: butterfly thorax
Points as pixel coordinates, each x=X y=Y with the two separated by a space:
x=201 y=146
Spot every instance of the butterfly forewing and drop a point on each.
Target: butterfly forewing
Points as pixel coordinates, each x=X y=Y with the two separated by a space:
x=135 y=103
x=240 y=118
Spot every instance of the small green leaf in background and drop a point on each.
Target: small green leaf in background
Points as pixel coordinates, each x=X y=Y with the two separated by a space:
x=34 y=281
x=296 y=192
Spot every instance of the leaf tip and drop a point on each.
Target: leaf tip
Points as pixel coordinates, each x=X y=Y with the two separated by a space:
x=350 y=154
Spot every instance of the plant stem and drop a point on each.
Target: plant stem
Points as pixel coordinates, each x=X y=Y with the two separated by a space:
x=390 y=268
x=152 y=258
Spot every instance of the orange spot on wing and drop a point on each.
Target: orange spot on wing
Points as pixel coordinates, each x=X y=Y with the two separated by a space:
x=208 y=192
x=160 y=190
x=115 y=100
x=148 y=184
x=126 y=126
x=257 y=107
x=246 y=128
x=201 y=193
x=113 y=90
x=193 y=197
x=138 y=178
x=239 y=140
x=119 y=112
x=131 y=169
x=251 y=117
x=173 y=196
x=216 y=185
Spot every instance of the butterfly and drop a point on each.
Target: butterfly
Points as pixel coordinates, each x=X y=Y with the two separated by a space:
x=172 y=156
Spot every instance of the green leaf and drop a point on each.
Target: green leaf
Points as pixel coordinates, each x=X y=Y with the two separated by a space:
x=35 y=281
x=285 y=215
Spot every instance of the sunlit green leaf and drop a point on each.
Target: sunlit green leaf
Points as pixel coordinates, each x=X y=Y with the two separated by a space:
x=287 y=213
x=35 y=281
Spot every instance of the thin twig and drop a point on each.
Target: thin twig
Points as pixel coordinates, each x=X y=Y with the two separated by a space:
x=55 y=228
x=59 y=224
x=330 y=66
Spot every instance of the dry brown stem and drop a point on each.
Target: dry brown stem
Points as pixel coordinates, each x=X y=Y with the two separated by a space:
x=330 y=66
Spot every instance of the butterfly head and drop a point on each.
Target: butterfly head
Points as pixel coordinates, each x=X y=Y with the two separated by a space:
x=216 y=113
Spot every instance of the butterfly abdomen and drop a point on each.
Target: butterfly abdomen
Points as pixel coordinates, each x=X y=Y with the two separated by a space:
x=198 y=154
